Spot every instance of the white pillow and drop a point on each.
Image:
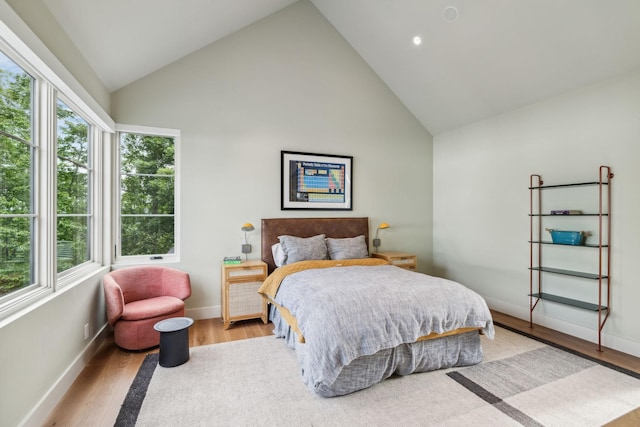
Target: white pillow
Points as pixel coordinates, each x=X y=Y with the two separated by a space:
x=278 y=254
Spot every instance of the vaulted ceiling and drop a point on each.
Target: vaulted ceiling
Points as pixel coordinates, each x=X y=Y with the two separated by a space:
x=477 y=58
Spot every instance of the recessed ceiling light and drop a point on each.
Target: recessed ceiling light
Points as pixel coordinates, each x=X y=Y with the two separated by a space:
x=417 y=40
x=450 y=14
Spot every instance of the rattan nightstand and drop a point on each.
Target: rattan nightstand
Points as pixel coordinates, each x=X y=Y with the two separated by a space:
x=399 y=259
x=240 y=298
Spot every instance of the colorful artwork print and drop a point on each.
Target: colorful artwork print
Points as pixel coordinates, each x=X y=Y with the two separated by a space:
x=315 y=181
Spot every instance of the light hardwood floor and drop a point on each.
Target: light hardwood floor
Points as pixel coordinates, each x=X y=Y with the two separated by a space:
x=95 y=397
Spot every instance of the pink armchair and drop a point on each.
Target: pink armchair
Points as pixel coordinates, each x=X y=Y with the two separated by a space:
x=137 y=298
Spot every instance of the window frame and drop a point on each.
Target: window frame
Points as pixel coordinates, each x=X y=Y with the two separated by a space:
x=95 y=195
x=47 y=88
x=18 y=296
x=118 y=258
x=92 y=188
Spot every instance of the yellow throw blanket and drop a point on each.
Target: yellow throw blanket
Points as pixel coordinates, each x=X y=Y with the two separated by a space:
x=270 y=286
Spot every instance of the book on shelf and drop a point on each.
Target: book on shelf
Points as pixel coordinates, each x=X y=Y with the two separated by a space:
x=566 y=212
x=232 y=260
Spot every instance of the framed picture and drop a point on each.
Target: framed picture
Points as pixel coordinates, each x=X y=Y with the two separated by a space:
x=315 y=181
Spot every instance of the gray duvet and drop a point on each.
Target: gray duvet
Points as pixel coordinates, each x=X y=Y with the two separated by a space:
x=361 y=324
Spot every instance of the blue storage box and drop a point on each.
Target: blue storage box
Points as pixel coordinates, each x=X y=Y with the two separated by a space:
x=560 y=237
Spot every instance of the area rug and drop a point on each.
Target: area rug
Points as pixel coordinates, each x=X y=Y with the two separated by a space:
x=256 y=382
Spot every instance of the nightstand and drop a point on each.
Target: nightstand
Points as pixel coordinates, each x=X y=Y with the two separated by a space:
x=239 y=288
x=399 y=259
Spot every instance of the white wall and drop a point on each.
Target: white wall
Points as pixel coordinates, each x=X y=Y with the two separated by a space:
x=288 y=82
x=481 y=200
x=44 y=349
x=42 y=23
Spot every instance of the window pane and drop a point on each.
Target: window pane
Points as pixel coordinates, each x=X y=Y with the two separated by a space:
x=74 y=178
x=15 y=99
x=74 y=250
x=15 y=254
x=73 y=136
x=16 y=178
x=147 y=235
x=146 y=154
x=73 y=189
x=147 y=194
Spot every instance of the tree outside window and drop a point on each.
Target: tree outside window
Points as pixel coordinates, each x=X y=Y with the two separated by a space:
x=17 y=152
x=74 y=182
x=147 y=194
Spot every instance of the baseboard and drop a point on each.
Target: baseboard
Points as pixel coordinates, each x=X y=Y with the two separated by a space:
x=211 y=312
x=611 y=341
x=41 y=411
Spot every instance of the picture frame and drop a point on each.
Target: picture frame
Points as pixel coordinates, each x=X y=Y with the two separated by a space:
x=316 y=181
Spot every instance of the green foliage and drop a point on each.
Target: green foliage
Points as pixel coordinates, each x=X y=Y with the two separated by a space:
x=147 y=196
x=15 y=104
x=73 y=188
x=147 y=192
x=15 y=181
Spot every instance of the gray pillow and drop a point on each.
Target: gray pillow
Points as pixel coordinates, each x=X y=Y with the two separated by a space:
x=303 y=249
x=352 y=247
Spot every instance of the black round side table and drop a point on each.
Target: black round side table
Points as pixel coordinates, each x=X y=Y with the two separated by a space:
x=174 y=340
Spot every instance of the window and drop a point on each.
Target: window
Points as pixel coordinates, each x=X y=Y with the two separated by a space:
x=74 y=178
x=148 y=216
x=51 y=181
x=17 y=192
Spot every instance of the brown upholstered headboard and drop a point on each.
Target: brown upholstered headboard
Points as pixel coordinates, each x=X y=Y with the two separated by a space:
x=307 y=227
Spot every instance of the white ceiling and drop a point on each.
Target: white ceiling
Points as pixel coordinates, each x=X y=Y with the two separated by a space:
x=496 y=56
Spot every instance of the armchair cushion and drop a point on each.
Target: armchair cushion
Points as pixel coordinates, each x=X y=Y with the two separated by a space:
x=151 y=307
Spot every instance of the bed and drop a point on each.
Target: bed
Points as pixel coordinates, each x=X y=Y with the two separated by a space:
x=354 y=320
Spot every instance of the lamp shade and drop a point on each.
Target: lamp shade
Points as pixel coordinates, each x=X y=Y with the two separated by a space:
x=383 y=225
x=247 y=226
